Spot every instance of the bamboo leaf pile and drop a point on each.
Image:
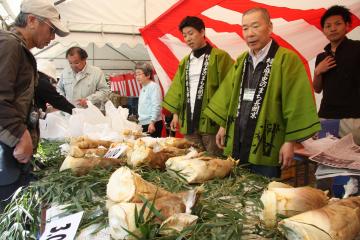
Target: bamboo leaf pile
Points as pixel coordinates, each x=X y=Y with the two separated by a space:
x=228 y=208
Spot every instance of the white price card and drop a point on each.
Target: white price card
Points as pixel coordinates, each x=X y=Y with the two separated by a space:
x=62 y=228
x=116 y=152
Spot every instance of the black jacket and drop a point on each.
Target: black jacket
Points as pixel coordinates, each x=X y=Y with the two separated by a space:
x=46 y=93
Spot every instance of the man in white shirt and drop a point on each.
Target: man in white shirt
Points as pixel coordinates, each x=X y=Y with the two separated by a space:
x=82 y=82
x=198 y=77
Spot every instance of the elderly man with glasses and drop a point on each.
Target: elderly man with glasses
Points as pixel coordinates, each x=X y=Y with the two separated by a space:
x=35 y=26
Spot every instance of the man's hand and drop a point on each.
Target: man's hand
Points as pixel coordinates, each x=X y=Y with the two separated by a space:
x=325 y=65
x=286 y=154
x=82 y=102
x=174 y=122
x=220 y=138
x=151 y=128
x=24 y=149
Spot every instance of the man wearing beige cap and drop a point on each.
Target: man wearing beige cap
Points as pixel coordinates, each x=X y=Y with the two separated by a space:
x=35 y=26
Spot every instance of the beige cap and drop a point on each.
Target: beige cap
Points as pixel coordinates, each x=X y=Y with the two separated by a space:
x=45 y=9
x=46 y=67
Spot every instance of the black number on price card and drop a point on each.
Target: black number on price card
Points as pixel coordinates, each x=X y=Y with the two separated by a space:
x=55 y=229
x=57 y=237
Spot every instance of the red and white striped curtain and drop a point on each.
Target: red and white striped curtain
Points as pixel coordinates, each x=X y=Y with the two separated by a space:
x=296 y=25
x=125 y=85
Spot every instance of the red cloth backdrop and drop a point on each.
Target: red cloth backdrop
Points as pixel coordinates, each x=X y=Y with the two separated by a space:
x=296 y=25
x=125 y=85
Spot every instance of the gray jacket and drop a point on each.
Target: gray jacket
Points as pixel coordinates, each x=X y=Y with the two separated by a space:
x=91 y=85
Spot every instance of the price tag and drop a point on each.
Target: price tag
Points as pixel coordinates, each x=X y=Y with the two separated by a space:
x=116 y=152
x=62 y=228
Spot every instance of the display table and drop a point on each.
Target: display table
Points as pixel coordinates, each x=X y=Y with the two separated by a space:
x=227 y=209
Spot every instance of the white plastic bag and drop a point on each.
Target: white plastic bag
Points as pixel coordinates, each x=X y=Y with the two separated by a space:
x=118 y=117
x=90 y=115
x=55 y=126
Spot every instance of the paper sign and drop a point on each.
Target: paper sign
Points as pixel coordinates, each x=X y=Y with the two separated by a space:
x=62 y=228
x=116 y=152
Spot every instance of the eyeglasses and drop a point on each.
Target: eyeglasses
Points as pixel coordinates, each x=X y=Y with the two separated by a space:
x=52 y=29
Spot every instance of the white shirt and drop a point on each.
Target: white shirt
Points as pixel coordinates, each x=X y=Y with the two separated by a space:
x=194 y=77
x=149 y=107
x=256 y=58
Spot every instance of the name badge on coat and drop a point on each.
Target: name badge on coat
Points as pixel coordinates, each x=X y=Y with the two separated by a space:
x=249 y=94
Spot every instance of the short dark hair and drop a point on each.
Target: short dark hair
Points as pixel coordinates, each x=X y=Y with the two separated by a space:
x=192 y=21
x=146 y=68
x=336 y=10
x=77 y=50
x=21 y=20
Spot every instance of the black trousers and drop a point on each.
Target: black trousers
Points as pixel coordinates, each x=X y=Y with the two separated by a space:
x=158 y=129
x=7 y=191
x=12 y=174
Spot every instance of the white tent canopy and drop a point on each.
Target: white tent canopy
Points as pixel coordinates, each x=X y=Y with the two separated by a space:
x=107 y=30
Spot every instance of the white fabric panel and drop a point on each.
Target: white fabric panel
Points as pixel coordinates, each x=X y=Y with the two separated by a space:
x=227 y=41
x=83 y=39
x=307 y=4
x=154 y=8
x=103 y=12
x=104 y=15
x=163 y=77
x=138 y=86
x=354 y=34
x=223 y=14
x=178 y=48
x=134 y=87
x=123 y=84
x=301 y=35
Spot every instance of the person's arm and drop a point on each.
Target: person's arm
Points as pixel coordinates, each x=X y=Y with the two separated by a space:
x=24 y=148
x=298 y=106
x=13 y=130
x=12 y=126
x=155 y=107
x=174 y=122
x=286 y=154
x=220 y=137
x=49 y=94
x=218 y=107
x=225 y=62
x=326 y=64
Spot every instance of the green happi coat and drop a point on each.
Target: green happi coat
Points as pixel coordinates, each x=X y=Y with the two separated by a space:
x=220 y=63
x=288 y=112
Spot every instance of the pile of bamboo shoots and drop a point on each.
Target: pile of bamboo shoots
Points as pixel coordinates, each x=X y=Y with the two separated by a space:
x=280 y=198
x=126 y=191
x=86 y=154
x=338 y=220
x=154 y=152
x=310 y=214
x=197 y=168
